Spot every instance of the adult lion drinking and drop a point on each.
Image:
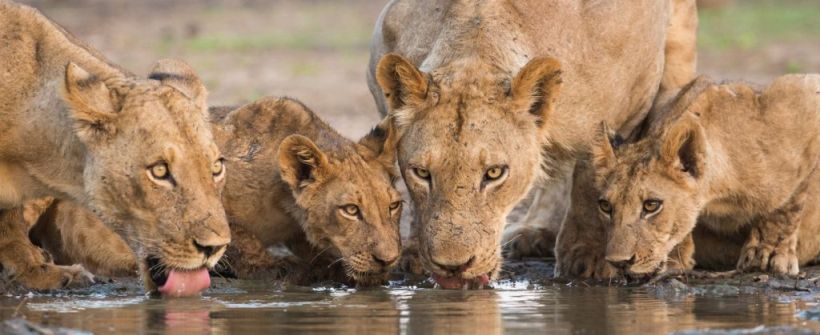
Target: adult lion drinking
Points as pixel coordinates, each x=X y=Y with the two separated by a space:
x=474 y=88
x=137 y=152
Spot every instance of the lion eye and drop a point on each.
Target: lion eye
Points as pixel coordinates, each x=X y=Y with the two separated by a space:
x=218 y=167
x=605 y=206
x=395 y=205
x=651 y=206
x=422 y=173
x=351 y=210
x=494 y=173
x=159 y=170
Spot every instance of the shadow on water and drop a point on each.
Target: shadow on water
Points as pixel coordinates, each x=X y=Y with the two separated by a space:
x=254 y=307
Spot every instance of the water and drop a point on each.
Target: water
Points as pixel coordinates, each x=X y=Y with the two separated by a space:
x=260 y=307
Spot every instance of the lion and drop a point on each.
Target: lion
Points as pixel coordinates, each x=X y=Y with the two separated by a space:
x=73 y=235
x=294 y=181
x=485 y=109
x=138 y=153
x=736 y=161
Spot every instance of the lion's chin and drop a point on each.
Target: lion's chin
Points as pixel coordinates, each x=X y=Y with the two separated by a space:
x=645 y=273
x=458 y=282
x=177 y=282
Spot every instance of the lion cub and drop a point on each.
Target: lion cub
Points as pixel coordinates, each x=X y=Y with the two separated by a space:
x=739 y=162
x=291 y=179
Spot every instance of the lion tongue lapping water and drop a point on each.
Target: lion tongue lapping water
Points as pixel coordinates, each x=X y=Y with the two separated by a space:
x=457 y=282
x=182 y=283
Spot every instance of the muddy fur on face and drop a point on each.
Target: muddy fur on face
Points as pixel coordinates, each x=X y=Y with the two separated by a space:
x=78 y=128
x=737 y=161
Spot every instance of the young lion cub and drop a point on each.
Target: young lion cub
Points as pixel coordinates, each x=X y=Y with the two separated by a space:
x=291 y=179
x=739 y=162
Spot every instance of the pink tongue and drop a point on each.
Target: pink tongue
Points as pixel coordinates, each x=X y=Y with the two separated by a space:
x=451 y=283
x=185 y=283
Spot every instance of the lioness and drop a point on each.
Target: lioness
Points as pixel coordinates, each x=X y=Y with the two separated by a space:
x=293 y=180
x=137 y=152
x=739 y=162
x=474 y=86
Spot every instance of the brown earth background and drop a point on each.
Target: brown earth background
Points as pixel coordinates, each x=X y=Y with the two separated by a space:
x=317 y=51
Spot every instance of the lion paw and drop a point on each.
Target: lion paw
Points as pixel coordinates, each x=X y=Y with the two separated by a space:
x=582 y=264
x=410 y=261
x=780 y=259
x=53 y=277
x=74 y=276
x=523 y=241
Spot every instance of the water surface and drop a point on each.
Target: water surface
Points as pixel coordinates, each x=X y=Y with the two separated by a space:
x=263 y=307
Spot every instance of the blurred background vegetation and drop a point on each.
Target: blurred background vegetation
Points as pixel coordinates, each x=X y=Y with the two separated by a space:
x=317 y=50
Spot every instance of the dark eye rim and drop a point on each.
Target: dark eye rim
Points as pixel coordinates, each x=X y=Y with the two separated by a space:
x=168 y=175
x=416 y=169
x=657 y=202
x=221 y=161
x=344 y=208
x=605 y=203
x=504 y=168
x=396 y=205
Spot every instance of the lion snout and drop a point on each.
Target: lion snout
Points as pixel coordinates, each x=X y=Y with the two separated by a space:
x=453 y=266
x=621 y=261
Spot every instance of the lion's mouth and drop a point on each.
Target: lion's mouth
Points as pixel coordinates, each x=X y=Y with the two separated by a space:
x=641 y=275
x=458 y=282
x=173 y=282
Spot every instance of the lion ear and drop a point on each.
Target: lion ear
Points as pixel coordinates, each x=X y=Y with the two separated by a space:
x=603 y=149
x=301 y=162
x=536 y=87
x=382 y=140
x=181 y=76
x=401 y=81
x=92 y=105
x=684 y=147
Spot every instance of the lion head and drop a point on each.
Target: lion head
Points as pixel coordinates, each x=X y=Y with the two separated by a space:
x=650 y=192
x=471 y=139
x=350 y=205
x=153 y=171
x=340 y=192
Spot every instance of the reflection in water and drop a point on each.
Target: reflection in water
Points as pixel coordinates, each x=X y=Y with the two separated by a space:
x=255 y=308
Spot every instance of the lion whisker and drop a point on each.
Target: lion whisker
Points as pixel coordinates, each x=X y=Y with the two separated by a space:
x=337 y=261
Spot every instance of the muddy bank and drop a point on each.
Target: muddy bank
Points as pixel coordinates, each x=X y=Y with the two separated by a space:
x=526 y=299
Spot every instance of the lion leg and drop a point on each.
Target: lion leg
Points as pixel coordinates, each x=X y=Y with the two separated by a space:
x=29 y=265
x=580 y=248
x=248 y=257
x=410 y=260
x=580 y=251
x=682 y=256
x=772 y=242
x=535 y=234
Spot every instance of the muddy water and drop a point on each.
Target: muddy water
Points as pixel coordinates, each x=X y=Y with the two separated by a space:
x=259 y=307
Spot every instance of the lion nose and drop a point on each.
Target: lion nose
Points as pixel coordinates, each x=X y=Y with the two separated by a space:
x=383 y=262
x=455 y=268
x=621 y=262
x=209 y=249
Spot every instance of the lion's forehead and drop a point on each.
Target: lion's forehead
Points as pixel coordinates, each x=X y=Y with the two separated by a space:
x=168 y=119
x=370 y=185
